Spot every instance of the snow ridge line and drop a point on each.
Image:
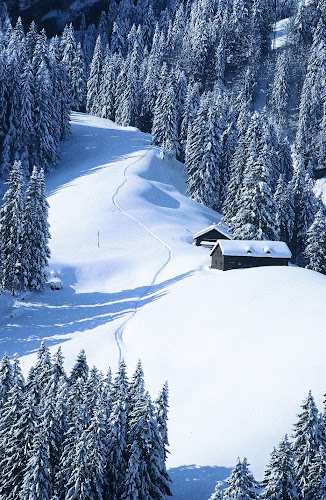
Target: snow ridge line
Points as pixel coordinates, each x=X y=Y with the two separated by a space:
x=119 y=332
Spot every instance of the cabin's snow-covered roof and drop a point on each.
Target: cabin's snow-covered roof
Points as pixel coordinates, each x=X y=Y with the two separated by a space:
x=219 y=227
x=254 y=248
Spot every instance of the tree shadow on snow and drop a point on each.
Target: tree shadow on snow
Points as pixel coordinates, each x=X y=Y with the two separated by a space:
x=192 y=482
x=56 y=315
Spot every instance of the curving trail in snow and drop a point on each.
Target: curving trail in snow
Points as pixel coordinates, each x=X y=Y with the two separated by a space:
x=119 y=332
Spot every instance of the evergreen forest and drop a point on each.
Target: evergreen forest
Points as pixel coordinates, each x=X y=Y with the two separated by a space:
x=204 y=78
x=81 y=436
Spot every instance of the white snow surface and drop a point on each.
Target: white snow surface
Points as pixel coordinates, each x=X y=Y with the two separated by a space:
x=240 y=349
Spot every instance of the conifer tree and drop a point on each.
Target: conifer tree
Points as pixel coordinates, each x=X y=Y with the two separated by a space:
x=161 y=416
x=80 y=370
x=117 y=440
x=280 y=482
x=315 y=250
x=218 y=492
x=281 y=90
x=204 y=184
x=94 y=83
x=45 y=127
x=36 y=233
x=38 y=475
x=96 y=443
x=6 y=379
x=108 y=84
x=255 y=218
x=11 y=231
x=308 y=436
x=284 y=213
x=242 y=485
x=11 y=465
x=167 y=121
x=128 y=109
x=304 y=207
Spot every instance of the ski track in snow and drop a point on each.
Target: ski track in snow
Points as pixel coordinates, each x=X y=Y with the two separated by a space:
x=119 y=332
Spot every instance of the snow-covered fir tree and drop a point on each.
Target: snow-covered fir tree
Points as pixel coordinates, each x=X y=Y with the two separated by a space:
x=315 y=250
x=11 y=230
x=308 y=437
x=280 y=481
x=242 y=485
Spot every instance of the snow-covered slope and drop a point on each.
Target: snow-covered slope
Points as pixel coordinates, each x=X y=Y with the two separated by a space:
x=240 y=349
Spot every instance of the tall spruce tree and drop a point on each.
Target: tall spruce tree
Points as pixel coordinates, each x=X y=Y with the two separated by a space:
x=315 y=250
x=280 y=481
x=309 y=436
x=11 y=230
x=242 y=485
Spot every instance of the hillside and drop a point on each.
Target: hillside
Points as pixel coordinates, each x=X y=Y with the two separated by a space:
x=240 y=349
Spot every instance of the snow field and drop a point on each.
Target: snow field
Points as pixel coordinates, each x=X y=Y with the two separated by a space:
x=240 y=349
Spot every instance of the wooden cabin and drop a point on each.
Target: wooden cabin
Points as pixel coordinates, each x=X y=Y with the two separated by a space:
x=209 y=236
x=237 y=254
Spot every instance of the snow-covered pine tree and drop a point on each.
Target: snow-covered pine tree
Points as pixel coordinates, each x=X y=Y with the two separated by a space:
x=78 y=475
x=218 y=492
x=308 y=437
x=133 y=487
x=19 y=445
x=148 y=446
x=80 y=369
x=11 y=468
x=78 y=80
x=280 y=481
x=316 y=483
x=284 y=213
x=42 y=369
x=285 y=160
x=116 y=466
x=238 y=161
x=11 y=230
x=164 y=79
x=168 y=123
x=6 y=380
x=94 y=82
x=242 y=485
x=46 y=127
x=255 y=218
x=154 y=81
x=204 y=184
x=136 y=386
x=315 y=250
x=38 y=480
x=161 y=405
x=96 y=444
x=190 y=109
x=35 y=250
x=128 y=106
x=281 y=90
x=108 y=83
x=300 y=195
